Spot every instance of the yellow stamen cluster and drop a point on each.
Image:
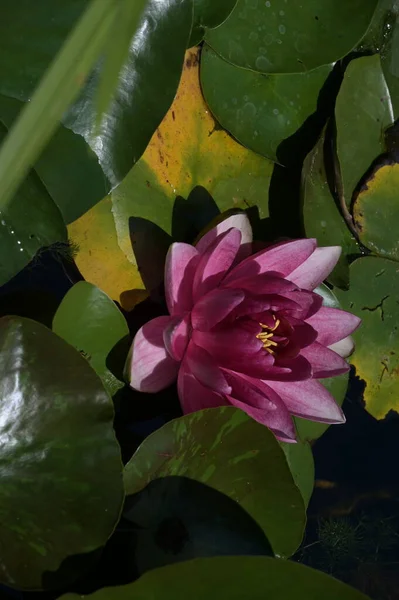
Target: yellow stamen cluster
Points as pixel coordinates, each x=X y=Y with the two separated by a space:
x=266 y=336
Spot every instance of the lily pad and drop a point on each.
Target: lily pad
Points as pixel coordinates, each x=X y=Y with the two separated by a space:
x=188 y=151
x=322 y=216
x=300 y=461
x=374 y=296
x=61 y=474
x=100 y=259
x=91 y=322
x=68 y=168
x=147 y=84
x=28 y=223
x=288 y=37
x=259 y=110
x=376 y=202
x=207 y=15
x=363 y=111
x=249 y=577
x=226 y=450
x=177 y=519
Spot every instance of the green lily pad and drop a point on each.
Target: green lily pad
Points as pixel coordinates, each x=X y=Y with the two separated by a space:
x=383 y=36
x=238 y=577
x=363 y=111
x=28 y=223
x=207 y=15
x=288 y=37
x=61 y=485
x=68 y=168
x=321 y=215
x=337 y=386
x=91 y=322
x=176 y=519
x=29 y=40
x=259 y=110
x=374 y=296
x=188 y=151
x=376 y=202
x=300 y=461
x=226 y=450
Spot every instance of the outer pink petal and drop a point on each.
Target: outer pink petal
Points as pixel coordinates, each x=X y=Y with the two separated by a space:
x=333 y=324
x=181 y=262
x=309 y=400
x=262 y=404
x=215 y=262
x=316 y=268
x=283 y=258
x=344 y=347
x=149 y=367
x=214 y=307
x=325 y=362
x=194 y=396
x=176 y=336
x=239 y=221
x=203 y=367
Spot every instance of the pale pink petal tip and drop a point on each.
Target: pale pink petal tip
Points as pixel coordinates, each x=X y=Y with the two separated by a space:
x=314 y=270
x=180 y=266
x=149 y=367
x=239 y=221
x=344 y=347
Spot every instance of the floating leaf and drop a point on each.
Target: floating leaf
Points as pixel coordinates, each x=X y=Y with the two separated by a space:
x=89 y=320
x=188 y=150
x=281 y=37
x=300 y=461
x=146 y=86
x=27 y=224
x=321 y=215
x=374 y=296
x=100 y=259
x=68 y=168
x=226 y=450
x=259 y=110
x=208 y=14
x=249 y=577
x=377 y=202
x=61 y=486
x=363 y=111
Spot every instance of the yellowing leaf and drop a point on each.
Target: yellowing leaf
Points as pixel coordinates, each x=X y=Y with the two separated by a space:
x=189 y=149
x=99 y=258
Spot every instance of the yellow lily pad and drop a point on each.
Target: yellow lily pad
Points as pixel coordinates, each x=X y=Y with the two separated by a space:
x=188 y=150
x=100 y=259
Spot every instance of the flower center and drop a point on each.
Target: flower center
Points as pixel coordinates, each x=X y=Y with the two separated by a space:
x=266 y=335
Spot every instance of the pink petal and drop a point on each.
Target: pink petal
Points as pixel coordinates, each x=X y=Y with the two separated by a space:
x=176 y=336
x=149 y=367
x=303 y=333
x=344 y=347
x=333 y=324
x=308 y=303
x=262 y=404
x=194 y=396
x=239 y=221
x=325 y=362
x=200 y=364
x=253 y=305
x=181 y=262
x=215 y=262
x=316 y=268
x=309 y=400
x=214 y=307
x=238 y=340
x=283 y=257
x=290 y=369
x=261 y=285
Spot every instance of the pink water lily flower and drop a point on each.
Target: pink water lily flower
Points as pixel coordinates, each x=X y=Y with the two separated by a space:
x=246 y=331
